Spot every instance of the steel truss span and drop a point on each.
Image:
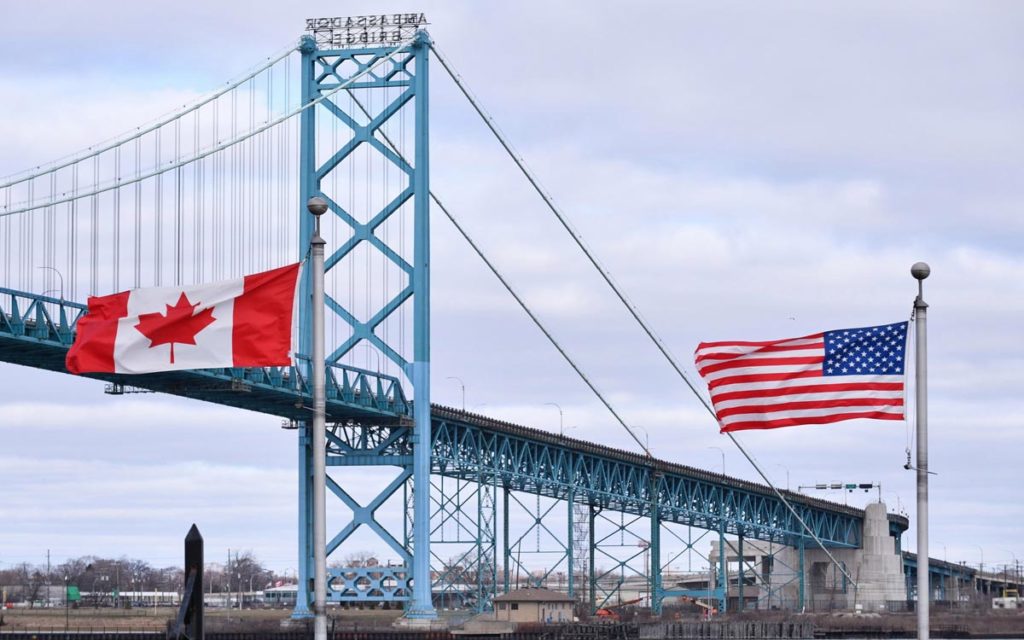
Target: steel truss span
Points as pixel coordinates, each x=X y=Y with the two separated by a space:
x=538 y=462
x=370 y=425
x=37 y=331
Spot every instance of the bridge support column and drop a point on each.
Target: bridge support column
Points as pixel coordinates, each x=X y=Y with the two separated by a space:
x=739 y=577
x=654 y=569
x=570 y=546
x=591 y=573
x=307 y=189
x=422 y=606
x=802 y=571
x=506 y=551
x=722 y=588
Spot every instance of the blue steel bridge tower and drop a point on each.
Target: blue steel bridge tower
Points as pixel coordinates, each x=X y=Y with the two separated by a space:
x=364 y=94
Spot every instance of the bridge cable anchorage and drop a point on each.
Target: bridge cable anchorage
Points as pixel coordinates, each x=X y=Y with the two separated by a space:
x=29 y=205
x=630 y=307
x=119 y=140
x=519 y=300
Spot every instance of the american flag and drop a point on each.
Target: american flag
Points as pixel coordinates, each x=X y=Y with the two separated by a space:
x=816 y=379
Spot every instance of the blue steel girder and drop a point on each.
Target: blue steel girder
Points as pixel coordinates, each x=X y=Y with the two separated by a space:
x=37 y=330
x=398 y=83
x=332 y=67
x=534 y=461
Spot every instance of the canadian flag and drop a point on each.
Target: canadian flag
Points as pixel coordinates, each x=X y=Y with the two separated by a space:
x=244 y=322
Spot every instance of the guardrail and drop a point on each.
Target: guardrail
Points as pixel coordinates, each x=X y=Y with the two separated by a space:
x=45 y=322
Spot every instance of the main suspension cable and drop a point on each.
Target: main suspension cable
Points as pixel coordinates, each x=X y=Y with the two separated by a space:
x=171 y=166
x=489 y=121
x=140 y=131
x=508 y=287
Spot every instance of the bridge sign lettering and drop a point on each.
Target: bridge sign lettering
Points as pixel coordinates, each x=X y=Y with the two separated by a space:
x=353 y=31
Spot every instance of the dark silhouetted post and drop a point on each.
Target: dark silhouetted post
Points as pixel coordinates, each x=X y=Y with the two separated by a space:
x=189 y=623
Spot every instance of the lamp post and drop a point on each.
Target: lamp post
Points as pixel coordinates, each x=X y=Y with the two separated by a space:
x=1014 y=556
x=376 y=355
x=647 y=438
x=462 y=385
x=777 y=465
x=67 y=610
x=561 y=417
x=723 y=458
x=318 y=206
x=59 y=275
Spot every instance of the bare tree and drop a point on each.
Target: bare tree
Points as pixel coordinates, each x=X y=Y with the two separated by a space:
x=356 y=559
x=246 y=573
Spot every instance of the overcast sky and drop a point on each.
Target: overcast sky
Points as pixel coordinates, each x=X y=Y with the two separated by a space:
x=744 y=170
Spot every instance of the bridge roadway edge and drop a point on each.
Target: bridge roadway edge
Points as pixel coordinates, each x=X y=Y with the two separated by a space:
x=476 y=445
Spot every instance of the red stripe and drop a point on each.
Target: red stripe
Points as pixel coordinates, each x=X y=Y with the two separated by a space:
x=810 y=404
x=262 y=332
x=738 y=343
x=95 y=334
x=766 y=377
x=768 y=349
x=792 y=422
x=759 y=362
x=811 y=388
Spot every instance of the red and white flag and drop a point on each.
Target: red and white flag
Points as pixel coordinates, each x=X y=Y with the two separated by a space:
x=817 y=379
x=244 y=322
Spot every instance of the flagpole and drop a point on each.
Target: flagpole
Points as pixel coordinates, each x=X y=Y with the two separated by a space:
x=318 y=206
x=920 y=271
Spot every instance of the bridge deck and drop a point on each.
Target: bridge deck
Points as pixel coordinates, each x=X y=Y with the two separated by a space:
x=465 y=445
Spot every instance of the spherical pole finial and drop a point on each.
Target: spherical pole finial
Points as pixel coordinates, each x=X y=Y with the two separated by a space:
x=318 y=206
x=920 y=270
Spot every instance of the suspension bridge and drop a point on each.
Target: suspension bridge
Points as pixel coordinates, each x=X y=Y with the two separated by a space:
x=218 y=189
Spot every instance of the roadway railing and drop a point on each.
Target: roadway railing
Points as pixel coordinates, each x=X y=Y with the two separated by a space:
x=39 y=329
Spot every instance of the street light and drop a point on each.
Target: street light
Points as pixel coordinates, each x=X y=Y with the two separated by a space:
x=777 y=465
x=647 y=438
x=462 y=385
x=723 y=457
x=59 y=276
x=66 y=609
x=376 y=354
x=561 y=417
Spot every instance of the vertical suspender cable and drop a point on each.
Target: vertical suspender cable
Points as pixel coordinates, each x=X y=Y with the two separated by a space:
x=49 y=234
x=7 y=223
x=268 y=139
x=117 y=221
x=233 y=202
x=137 y=254
x=73 y=237
x=197 y=202
x=250 y=211
x=216 y=196
x=158 y=213
x=94 y=265
x=178 y=212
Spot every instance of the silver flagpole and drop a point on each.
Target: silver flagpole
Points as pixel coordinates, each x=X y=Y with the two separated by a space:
x=318 y=206
x=920 y=271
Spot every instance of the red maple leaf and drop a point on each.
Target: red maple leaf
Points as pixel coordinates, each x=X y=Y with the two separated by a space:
x=178 y=325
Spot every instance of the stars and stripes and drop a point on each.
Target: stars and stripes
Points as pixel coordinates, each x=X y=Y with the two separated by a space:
x=816 y=379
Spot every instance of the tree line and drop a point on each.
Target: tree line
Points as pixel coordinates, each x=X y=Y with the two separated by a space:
x=109 y=577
